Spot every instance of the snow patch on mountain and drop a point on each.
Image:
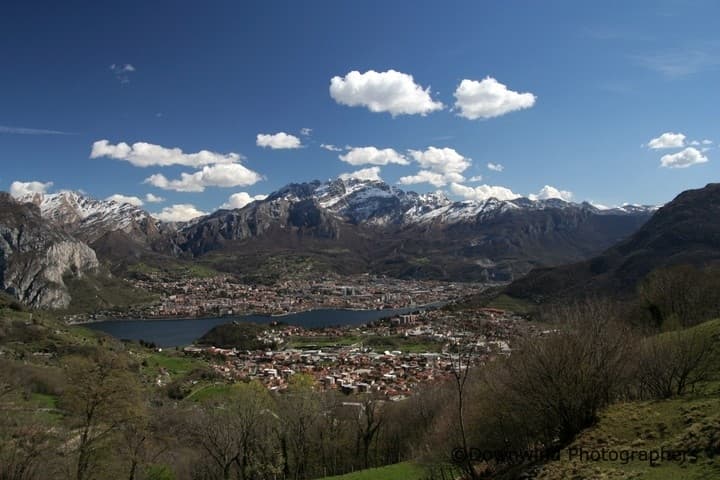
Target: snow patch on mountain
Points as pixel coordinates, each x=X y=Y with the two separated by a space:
x=374 y=202
x=88 y=217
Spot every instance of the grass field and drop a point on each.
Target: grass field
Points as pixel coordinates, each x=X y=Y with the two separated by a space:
x=174 y=364
x=211 y=392
x=517 y=305
x=377 y=343
x=399 y=471
x=402 y=343
x=174 y=269
x=42 y=400
x=677 y=424
x=318 y=341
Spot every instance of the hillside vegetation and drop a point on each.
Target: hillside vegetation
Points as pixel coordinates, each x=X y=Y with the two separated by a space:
x=599 y=374
x=689 y=424
x=683 y=232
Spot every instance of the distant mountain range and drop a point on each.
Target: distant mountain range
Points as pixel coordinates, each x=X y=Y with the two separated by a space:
x=356 y=226
x=346 y=226
x=684 y=231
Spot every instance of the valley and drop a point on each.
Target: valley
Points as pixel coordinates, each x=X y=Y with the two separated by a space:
x=341 y=229
x=445 y=341
x=336 y=240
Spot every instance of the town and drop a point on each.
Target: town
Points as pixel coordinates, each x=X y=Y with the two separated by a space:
x=392 y=357
x=227 y=295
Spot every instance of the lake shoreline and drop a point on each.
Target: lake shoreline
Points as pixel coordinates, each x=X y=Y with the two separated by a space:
x=173 y=332
x=80 y=323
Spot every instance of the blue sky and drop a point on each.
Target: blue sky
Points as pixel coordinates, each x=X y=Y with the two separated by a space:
x=576 y=92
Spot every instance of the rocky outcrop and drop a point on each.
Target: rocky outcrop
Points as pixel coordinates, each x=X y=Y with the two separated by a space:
x=89 y=219
x=302 y=217
x=35 y=257
x=369 y=226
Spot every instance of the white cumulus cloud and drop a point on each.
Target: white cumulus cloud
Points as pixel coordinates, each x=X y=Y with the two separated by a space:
x=476 y=178
x=548 y=192
x=306 y=131
x=440 y=166
x=142 y=154
x=240 y=199
x=667 y=140
x=20 y=189
x=390 y=91
x=120 y=198
x=150 y=198
x=442 y=160
x=373 y=156
x=232 y=175
x=178 y=213
x=489 y=98
x=687 y=158
x=278 y=141
x=495 y=167
x=483 y=192
x=368 y=174
x=433 y=178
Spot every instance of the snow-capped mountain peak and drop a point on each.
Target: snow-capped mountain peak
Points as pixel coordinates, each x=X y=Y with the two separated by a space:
x=375 y=202
x=88 y=217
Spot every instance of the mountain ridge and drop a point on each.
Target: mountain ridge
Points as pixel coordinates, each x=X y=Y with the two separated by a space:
x=359 y=201
x=35 y=258
x=405 y=234
x=684 y=231
x=347 y=226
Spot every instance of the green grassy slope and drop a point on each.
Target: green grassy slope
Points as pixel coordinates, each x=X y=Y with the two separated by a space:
x=690 y=424
x=99 y=292
x=399 y=471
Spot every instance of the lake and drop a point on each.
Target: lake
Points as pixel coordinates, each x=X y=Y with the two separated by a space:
x=183 y=331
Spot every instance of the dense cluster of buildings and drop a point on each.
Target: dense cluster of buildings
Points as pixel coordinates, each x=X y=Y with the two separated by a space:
x=357 y=368
x=226 y=295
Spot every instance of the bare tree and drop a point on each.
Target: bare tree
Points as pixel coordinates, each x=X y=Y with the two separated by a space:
x=299 y=410
x=370 y=420
x=336 y=432
x=234 y=435
x=102 y=395
x=460 y=373
x=673 y=362
x=681 y=295
x=213 y=430
x=10 y=379
x=144 y=439
x=559 y=383
x=21 y=454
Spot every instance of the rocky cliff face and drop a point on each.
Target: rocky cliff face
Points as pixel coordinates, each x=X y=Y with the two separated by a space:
x=303 y=217
x=376 y=227
x=89 y=219
x=34 y=257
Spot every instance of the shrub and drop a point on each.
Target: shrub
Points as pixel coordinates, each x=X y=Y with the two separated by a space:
x=672 y=363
